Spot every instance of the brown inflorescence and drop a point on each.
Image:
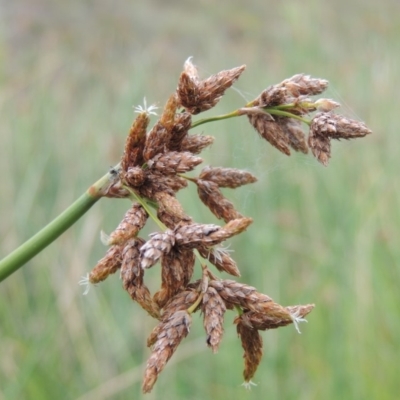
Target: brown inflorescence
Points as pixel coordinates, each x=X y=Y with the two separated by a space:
x=154 y=168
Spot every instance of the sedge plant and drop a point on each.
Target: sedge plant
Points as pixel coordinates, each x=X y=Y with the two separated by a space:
x=153 y=168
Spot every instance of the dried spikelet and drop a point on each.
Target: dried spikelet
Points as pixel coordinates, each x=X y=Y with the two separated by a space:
x=213 y=308
x=197 y=96
x=168 y=339
x=134 y=145
x=207 y=235
x=220 y=259
x=181 y=127
x=271 y=320
x=253 y=349
x=210 y=194
x=109 y=264
x=292 y=129
x=270 y=131
x=170 y=211
x=132 y=277
x=227 y=177
x=181 y=301
x=196 y=143
x=156 y=182
x=320 y=147
x=242 y=295
x=156 y=141
x=133 y=221
x=158 y=245
x=272 y=96
x=177 y=269
x=174 y=162
x=167 y=118
x=133 y=177
x=305 y=85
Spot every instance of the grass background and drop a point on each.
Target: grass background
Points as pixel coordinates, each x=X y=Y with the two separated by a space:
x=70 y=73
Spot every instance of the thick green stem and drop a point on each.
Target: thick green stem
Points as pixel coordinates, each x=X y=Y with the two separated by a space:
x=54 y=229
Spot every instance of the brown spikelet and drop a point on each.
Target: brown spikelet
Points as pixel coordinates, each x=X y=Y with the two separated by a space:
x=157 y=182
x=227 y=177
x=109 y=264
x=133 y=177
x=176 y=272
x=132 y=277
x=210 y=194
x=207 y=235
x=220 y=259
x=213 y=308
x=174 y=162
x=270 y=131
x=181 y=301
x=320 y=147
x=134 y=145
x=156 y=141
x=241 y=294
x=183 y=121
x=167 y=118
x=168 y=339
x=197 y=96
x=133 y=221
x=196 y=143
x=272 y=96
x=253 y=349
x=304 y=85
x=272 y=319
x=158 y=245
x=292 y=130
x=170 y=211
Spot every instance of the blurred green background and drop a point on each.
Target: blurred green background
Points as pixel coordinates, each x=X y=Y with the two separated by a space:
x=70 y=73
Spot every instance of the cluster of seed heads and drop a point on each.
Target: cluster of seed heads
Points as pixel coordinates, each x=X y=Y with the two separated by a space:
x=153 y=169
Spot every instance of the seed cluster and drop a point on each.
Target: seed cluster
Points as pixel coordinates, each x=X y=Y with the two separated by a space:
x=153 y=169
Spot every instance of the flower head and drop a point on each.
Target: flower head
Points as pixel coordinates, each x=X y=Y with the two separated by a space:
x=149 y=111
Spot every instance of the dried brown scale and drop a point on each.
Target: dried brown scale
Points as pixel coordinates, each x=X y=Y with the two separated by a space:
x=158 y=245
x=227 y=177
x=176 y=272
x=220 y=259
x=253 y=349
x=320 y=147
x=174 y=162
x=156 y=141
x=294 y=133
x=270 y=97
x=134 y=220
x=169 y=337
x=196 y=143
x=213 y=308
x=109 y=264
x=270 y=131
x=133 y=153
x=170 y=211
x=183 y=121
x=210 y=194
x=242 y=295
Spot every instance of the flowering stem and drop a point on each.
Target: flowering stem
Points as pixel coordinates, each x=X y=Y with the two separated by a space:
x=54 y=229
x=232 y=114
x=281 y=113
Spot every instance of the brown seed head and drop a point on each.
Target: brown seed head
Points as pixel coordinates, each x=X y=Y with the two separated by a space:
x=227 y=177
x=210 y=194
x=167 y=118
x=305 y=85
x=174 y=162
x=220 y=258
x=168 y=339
x=181 y=127
x=253 y=349
x=213 y=308
x=133 y=177
x=156 y=141
x=133 y=221
x=109 y=264
x=153 y=249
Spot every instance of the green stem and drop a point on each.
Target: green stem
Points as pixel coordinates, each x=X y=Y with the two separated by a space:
x=281 y=113
x=232 y=114
x=54 y=229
